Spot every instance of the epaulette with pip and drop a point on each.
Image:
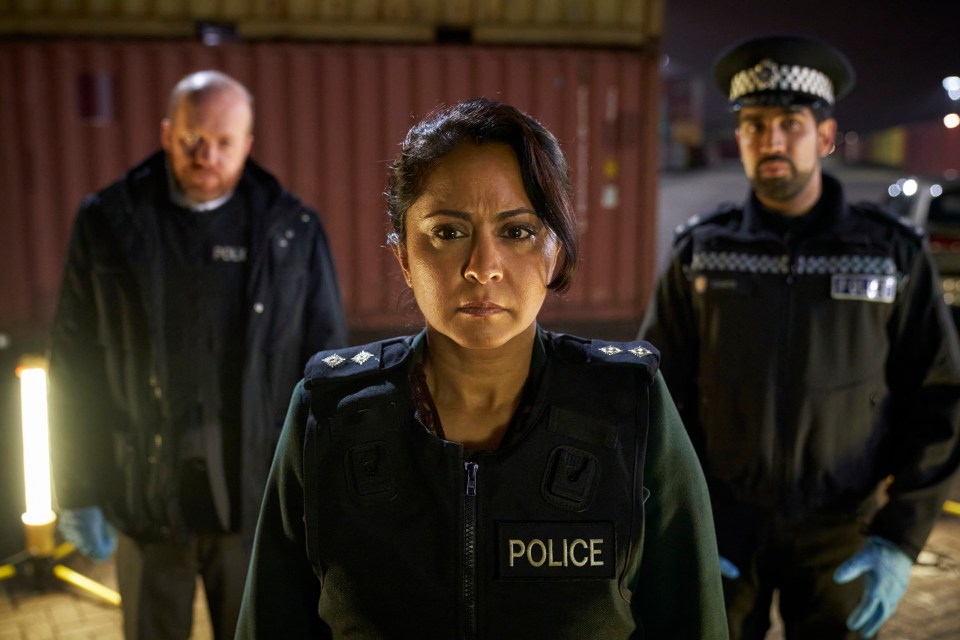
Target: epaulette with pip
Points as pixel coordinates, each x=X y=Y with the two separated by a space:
x=574 y=349
x=719 y=215
x=354 y=362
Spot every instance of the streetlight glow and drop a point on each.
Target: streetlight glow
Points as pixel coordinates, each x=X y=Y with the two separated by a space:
x=951 y=85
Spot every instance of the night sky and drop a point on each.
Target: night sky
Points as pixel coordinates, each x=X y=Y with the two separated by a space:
x=901 y=50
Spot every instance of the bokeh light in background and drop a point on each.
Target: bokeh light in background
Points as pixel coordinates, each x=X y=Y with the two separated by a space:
x=952 y=86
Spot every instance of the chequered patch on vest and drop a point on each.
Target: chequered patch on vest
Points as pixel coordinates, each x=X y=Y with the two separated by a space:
x=780 y=264
x=744 y=262
x=846 y=264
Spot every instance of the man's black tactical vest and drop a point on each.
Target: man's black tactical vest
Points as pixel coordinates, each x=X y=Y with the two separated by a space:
x=414 y=536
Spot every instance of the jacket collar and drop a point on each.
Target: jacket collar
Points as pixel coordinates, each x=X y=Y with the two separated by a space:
x=829 y=211
x=415 y=345
x=149 y=182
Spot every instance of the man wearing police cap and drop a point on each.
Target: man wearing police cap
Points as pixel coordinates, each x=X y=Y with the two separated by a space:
x=813 y=361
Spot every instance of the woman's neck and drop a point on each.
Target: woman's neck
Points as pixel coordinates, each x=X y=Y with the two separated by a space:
x=477 y=391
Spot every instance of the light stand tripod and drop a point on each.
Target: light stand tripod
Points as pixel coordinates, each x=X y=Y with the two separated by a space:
x=43 y=570
x=40 y=562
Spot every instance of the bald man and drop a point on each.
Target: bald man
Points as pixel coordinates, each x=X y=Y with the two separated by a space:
x=194 y=290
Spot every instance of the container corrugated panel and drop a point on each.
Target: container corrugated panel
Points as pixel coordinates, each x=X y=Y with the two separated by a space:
x=75 y=114
x=591 y=22
x=885 y=147
x=920 y=148
x=932 y=149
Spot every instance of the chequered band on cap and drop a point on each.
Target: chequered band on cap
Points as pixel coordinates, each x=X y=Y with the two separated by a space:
x=767 y=75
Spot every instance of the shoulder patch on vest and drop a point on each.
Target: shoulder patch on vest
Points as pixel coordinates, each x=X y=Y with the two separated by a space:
x=349 y=362
x=877 y=212
x=720 y=214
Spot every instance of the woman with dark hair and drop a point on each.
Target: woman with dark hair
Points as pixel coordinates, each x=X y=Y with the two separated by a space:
x=486 y=478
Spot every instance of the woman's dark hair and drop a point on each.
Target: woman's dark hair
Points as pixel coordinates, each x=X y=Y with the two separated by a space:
x=543 y=168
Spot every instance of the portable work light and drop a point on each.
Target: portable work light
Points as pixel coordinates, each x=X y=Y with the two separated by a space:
x=39 y=519
x=42 y=555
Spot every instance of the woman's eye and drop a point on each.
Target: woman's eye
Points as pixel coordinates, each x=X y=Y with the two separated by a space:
x=519 y=232
x=448 y=233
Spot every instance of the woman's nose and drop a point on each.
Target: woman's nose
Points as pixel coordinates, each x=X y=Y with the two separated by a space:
x=484 y=264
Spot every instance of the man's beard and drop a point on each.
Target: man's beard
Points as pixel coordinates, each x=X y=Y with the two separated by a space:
x=782 y=188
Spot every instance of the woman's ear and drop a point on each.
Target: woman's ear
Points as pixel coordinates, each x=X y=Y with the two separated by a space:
x=556 y=257
x=401 y=256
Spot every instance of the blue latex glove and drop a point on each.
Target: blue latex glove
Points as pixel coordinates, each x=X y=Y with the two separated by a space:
x=728 y=569
x=887 y=570
x=88 y=531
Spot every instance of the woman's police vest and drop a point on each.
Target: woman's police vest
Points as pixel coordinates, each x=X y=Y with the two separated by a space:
x=414 y=536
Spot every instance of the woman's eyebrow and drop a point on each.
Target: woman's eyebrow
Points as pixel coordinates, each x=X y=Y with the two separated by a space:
x=463 y=215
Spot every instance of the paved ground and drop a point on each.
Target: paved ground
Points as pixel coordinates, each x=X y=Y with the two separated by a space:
x=64 y=612
x=929 y=609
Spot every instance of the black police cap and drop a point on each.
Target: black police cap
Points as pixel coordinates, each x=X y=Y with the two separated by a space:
x=783 y=70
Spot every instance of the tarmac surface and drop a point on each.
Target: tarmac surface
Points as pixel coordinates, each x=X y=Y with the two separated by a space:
x=930 y=609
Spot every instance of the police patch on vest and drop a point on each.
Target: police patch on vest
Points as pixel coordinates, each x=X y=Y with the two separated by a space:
x=863 y=287
x=582 y=550
x=222 y=253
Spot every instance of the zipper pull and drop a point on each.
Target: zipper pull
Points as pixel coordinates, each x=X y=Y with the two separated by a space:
x=471 y=469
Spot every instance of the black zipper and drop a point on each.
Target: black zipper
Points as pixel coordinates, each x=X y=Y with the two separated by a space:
x=782 y=437
x=470 y=551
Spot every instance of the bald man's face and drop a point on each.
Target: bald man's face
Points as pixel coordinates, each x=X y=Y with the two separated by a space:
x=207 y=143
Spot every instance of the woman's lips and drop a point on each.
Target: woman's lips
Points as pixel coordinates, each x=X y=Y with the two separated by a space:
x=481 y=308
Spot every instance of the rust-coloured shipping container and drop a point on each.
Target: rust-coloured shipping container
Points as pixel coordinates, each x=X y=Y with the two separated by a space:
x=932 y=149
x=74 y=114
x=918 y=148
x=630 y=23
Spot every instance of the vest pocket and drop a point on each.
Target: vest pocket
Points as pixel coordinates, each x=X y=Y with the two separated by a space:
x=370 y=472
x=367 y=438
x=571 y=478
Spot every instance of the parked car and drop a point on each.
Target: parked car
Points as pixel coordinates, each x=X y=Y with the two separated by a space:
x=934 y=205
